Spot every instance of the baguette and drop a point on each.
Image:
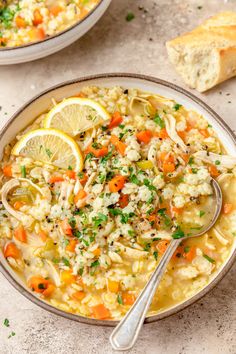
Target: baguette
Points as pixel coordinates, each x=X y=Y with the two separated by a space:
x=206 y=56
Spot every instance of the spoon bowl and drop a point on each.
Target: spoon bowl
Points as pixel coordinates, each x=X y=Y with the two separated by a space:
x=126 y=333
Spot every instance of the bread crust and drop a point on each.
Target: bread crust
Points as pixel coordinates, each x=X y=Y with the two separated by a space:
x=206 y=56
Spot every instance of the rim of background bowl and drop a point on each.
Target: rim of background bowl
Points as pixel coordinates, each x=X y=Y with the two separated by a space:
x=182 y=305
x=5 y=49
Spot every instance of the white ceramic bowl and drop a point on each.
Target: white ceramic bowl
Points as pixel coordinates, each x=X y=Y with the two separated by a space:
x=42 y=103
x=50 y=45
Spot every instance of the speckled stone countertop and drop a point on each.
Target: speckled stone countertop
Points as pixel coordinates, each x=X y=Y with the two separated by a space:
x=114 y=44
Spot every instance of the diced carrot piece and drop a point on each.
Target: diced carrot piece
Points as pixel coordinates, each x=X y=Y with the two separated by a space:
x=100 y=312
x=20 y=22
x=71 y=174
x=56 y=179
x=116 y=120
x=176 y=210
x=168 y=167
x=3 y=41
x=71 y=246
x=191 y=254
x=18 y=204
x=113 y=286
x=83 y=178
x=204 y=132
x=80 y=195
x=185 y=157
x=213 y=171
x=128 y=299
x=182 y=134
x=36 y=34
x=78 y=295
x=66 y=228
x=50 y=289
x=38 y=18
x=12 y=250
x=7 y=171
x=163 y=134
x=144 y=136
x=55 y=10
x=166 y=157
x=67 y=277
x=116 y=183
x=96 y=252
x=124 y=200
x=227 y=208
x=189 y=126
x=41 y=285
x=80 y=94
x=162 y=245
x=119 y=145
x=43 y=235
x=100 y=152
x=20 y=234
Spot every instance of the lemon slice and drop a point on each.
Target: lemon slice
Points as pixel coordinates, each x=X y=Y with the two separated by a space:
x=76 y=115
x=50 y=146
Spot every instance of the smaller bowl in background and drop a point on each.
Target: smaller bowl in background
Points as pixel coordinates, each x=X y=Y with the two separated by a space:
x=52 y=44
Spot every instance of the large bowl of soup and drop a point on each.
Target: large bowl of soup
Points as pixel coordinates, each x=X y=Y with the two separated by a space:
x=32 y=29
x=97 y=176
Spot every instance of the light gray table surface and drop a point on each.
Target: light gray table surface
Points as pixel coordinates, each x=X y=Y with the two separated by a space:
x=115 y=45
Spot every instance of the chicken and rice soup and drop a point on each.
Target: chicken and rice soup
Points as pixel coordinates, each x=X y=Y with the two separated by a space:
x=94 y=190
x=26 y=21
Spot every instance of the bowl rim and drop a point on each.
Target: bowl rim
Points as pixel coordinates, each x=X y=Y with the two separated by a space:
x=182 y=305
x=56 y=35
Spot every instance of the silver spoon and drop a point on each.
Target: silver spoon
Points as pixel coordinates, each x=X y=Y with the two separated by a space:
x=126 y=333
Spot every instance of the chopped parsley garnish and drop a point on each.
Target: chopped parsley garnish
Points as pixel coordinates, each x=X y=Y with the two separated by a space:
x=177 y=106
x=48 y=152
x=211 y=260
x=12 y=334
x=130 y=16
x=99 y=219
x=194 y=170
x=23 y=171
x=109 y=175
x=178 y=233
x=147 y=247
x=6 y=322
x=150 y=186
x=65 y=261
x=95 y=264
x=81 y=270
x=104 y=159
x=41 y=286
x=6 y=16
x=191 y=160
x=55 y=260
x=186 y=249
x=88 y=157
x=166 y=218
x=134 y=179
x=119 y=299
x=72 y=222
x=201 y=213
x=70 y=168
x=159 y=121
x=124 y=217
x=155 y=255
x=217 y=162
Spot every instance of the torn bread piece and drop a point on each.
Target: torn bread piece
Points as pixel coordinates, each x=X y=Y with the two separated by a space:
x=206 y=56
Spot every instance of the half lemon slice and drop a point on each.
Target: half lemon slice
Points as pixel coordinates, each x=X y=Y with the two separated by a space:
x=76 y=115
x=50 y=146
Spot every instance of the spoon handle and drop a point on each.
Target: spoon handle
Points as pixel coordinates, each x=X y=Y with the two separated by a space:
x=126 y=333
